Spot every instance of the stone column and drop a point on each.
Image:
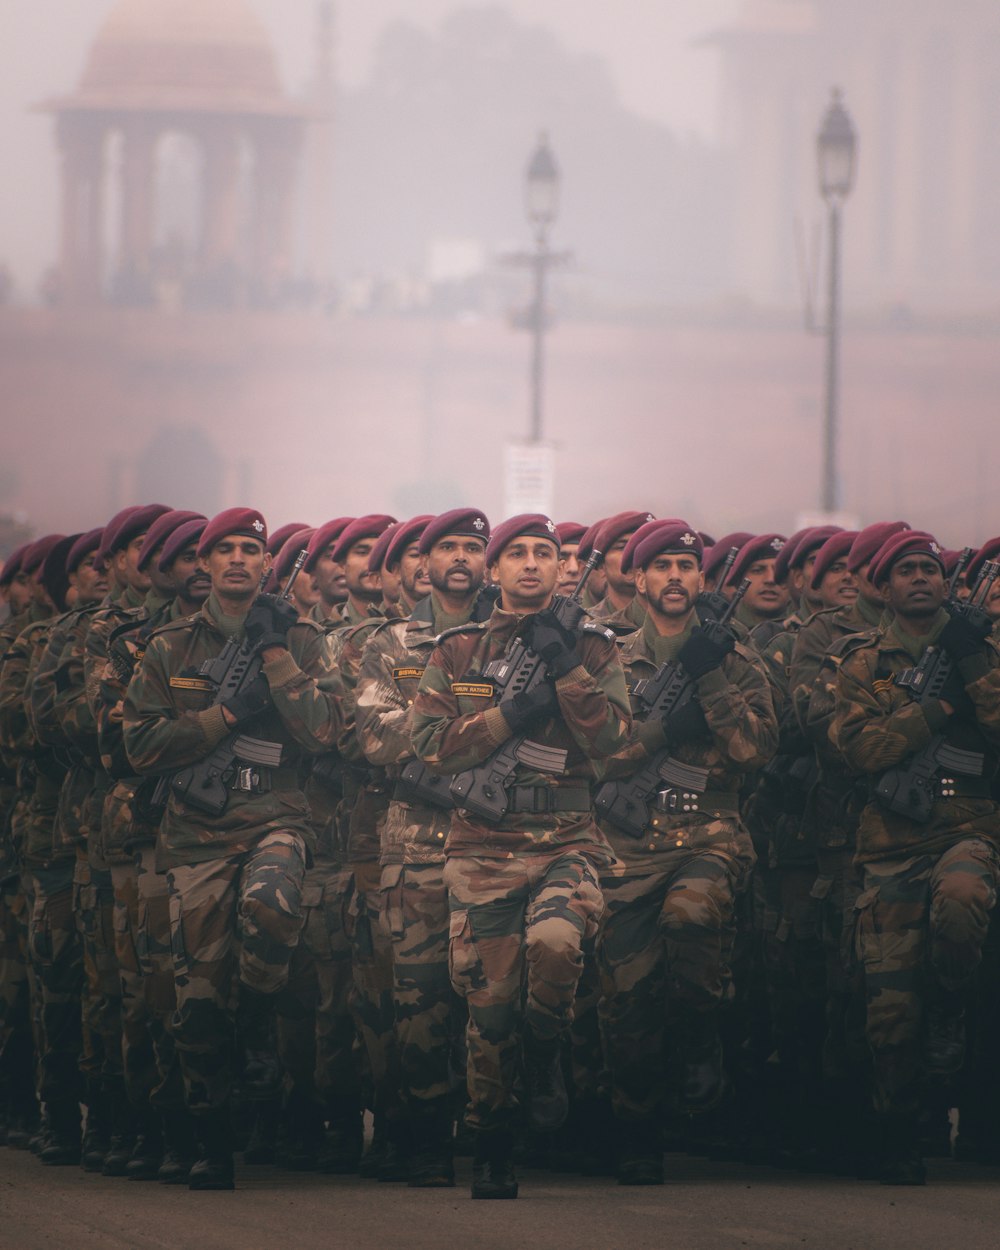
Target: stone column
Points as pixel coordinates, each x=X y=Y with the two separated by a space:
x=138 y=188
x=81 y=143
x=277 y=142
x=220 y=240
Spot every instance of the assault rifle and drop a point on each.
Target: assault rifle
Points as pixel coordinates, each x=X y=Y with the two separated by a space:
x=712 y=604
x=483 y=790
x=625 y=803
x=205 y=786
x=908 y=789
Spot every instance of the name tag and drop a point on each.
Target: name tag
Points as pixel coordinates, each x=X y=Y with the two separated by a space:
x=399 y=673
x=473 y=689
x=192 y=683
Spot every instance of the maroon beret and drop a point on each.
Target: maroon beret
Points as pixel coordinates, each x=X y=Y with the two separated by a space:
x=283 y=533
x=161 y=529
x=570 y=532
x=524 y=525
x=83 y=546
x=136 y=522
x=12 y=565
x=760 y=547
x=716 y=557
x=808 y=541
x=324 y=536
x=904 y=543
x=587 y=540
x=870 y=540
x=396 y=539
x=111 y=527
x=371 y=525
x=628 y=555
x=53 y=575
x=990 y=550
x=183 y=536
x=618 y=526
x=656 y=538
x=247 y=522
x=290 y=548
x=835 y=548
x=469 y=522
x=706 y=539
x=35 y=553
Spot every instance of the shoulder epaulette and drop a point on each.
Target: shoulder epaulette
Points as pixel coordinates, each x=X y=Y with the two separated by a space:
x=605 y=630
x=764 y=634
x=126 y=627
x=313 y=626
x=183 y=622
x=371 y=622
x=470 y=627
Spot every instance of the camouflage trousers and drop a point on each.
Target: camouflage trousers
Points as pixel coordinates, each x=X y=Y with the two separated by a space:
x=142 y=950
x=516 y=935
x=93 y=903
x=429 y=1018
x=664 y=947
x=17 y=1067
x=795 y=967
x=232 y=921
x=371 y=991
x=922 y=923
x=56 y=956
x=836 y=890
x=316 y=1028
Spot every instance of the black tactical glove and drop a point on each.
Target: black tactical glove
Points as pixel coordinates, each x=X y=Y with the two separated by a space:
x=687 y=724
x=700 y=654
x=250 y=701
x=530 y=706
x=954 y=692
x=965 y=634
x=269 y=621
x=553 y=642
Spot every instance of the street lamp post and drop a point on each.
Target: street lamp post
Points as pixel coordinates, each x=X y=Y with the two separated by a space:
x=836 y=148
x=541 y=204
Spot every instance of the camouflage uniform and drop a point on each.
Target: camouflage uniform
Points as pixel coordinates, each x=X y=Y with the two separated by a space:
x=929 y=888
x=235 y=880
x=414 y=898
x=523 y=892
x=666 y=940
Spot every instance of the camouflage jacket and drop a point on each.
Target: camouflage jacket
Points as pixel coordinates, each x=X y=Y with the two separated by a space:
x=171 y=720
x=632 y=615
x=392 y=665
x=835 y=800
x=878 y=725
x=736 y=701
x=456 y=726
x=366 y=789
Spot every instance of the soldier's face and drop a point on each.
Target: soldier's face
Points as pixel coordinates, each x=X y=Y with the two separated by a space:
x=671 y=583
x=90 y=579
x=413 y=574
x=866 y=588
x=330 y=578
x=916 y=586
x=162 y=583
x=361 y=583
x=764 y=596
x=623 y=583
x=127 y=566
x=191 y=582
x=992 y=604
x=526 y=571
x=19 y=593
x=838 y=586
x=569 y=569
x=390 y=583
x=39 y=594
x=236 y=565
x=803 y=579
x=456 y=565
x=305 y=593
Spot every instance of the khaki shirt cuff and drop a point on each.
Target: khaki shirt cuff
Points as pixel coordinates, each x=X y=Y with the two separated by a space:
x=281 y=670
x=213 y=724
x=573 y=678
x=496 y=726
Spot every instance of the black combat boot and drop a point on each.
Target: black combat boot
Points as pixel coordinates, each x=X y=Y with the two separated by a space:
x=703 y=1075
x=262 y=1144
x=62 y=1143
x=123 y=1128
x=213 y=1169
x=432 y=1161
x=545 y=1085
x=639 y=1145
x=493 y=1165
x=301 y=1135
x=97 y=1132
x=340 y=1153
x=147 y=1153
x=256 y=1033
x=901 y=1163
x=944 y=1033
x=179 y=1147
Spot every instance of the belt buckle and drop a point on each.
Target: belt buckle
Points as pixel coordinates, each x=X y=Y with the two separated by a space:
x=246 y=779
x=541 y=801
x=671 y=800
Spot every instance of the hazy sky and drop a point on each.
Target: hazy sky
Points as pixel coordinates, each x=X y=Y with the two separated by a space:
x=649 y=45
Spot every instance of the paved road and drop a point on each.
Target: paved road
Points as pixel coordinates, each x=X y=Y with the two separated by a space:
x=703 y=1207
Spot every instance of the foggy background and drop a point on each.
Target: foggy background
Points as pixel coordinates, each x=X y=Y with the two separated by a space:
x=679 y=375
